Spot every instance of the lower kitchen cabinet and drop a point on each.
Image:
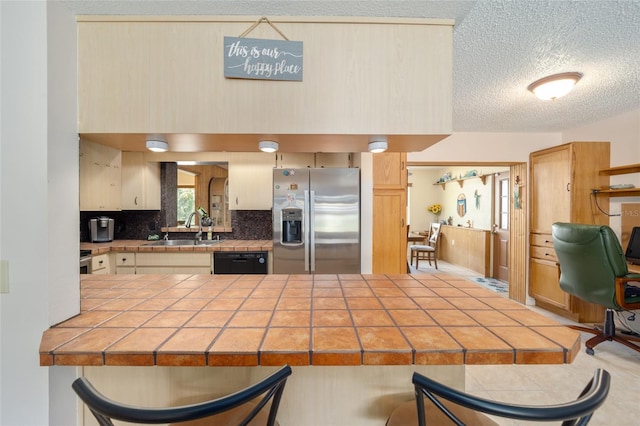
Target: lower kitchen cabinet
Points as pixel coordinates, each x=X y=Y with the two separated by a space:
x=125 y=263
x=101 y=264
x=173 y=263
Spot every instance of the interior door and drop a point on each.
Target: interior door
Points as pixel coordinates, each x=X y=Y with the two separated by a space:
x=502 y=192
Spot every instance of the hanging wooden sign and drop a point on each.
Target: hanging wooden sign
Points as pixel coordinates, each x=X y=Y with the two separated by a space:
x=262 y=59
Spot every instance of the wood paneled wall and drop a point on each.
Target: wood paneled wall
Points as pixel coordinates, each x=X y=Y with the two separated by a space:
x=518 y=236
x=467 y=247
x=361 y=76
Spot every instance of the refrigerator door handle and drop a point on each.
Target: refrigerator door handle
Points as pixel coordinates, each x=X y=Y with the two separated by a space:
x=306 y=229
x=312 y=231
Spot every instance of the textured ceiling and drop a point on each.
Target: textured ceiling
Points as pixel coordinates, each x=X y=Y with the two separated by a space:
x=499 y=48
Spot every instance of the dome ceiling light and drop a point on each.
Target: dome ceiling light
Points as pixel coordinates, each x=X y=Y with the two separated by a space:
x=554 y=86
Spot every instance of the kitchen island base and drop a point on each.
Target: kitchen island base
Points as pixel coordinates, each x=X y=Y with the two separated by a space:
x=314 y=395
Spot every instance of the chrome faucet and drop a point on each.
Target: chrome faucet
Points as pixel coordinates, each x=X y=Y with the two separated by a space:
x=198 y=236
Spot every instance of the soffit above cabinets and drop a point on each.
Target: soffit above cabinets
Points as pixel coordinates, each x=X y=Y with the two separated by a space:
x=249 y=142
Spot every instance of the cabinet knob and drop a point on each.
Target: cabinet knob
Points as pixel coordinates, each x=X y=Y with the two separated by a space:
x=100 y=262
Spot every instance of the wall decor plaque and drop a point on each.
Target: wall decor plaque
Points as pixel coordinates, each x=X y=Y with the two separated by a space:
x=262 y=59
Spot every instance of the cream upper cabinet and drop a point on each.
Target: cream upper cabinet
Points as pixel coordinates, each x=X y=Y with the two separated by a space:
x=140 y=182
x=334 y=159
x=250 y=181
x=287 y=160
x=100 y=177
x=300 y=160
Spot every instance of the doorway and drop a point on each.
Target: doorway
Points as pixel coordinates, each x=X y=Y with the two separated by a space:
x=516 y=251
x=500 y=229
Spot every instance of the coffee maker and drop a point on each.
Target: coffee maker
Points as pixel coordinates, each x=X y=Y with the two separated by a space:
x=101 y=229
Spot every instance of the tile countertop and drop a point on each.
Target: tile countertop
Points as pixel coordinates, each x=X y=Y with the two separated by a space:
x=141 y=246
x=248 y=320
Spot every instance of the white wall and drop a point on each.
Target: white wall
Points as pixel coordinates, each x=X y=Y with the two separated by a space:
x=63 y=189
x=24 y=310
x=424 y=193
x=473 y=147
x=39 y=233
x=623 y=131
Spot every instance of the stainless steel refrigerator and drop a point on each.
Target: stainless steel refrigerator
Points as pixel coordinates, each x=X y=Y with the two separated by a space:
x=316 y=221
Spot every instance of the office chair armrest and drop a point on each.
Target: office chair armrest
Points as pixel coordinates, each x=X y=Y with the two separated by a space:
x=621 y=285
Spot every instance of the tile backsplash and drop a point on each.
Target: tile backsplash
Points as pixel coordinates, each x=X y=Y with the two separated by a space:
x=139 y=224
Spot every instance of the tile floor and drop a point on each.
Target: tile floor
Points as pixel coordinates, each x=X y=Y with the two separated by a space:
x=550 y=384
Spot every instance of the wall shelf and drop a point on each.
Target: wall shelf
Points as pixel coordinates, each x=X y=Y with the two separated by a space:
x=483 y=179
x=625 y=192
x=620 y=170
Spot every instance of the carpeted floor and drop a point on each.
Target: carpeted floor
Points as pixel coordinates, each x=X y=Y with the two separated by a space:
x=492 y=284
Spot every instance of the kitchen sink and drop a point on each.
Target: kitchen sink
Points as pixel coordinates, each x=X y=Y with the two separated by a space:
x=183 y=243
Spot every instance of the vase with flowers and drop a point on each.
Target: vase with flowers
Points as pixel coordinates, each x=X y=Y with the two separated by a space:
x=436 y=209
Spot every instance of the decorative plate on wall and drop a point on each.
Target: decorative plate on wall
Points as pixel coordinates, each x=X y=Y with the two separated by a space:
x=462 y=205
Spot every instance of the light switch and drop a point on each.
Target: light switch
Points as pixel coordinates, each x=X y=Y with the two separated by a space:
x=4 y=276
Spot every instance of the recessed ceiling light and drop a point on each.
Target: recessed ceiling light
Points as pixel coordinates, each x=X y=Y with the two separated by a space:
x=554 y=86
x=377 y=144
x=268 y=146
x=157 y=145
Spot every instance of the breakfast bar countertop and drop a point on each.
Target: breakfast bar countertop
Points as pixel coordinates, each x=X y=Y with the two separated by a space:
x=147 y=246
x=329 y=320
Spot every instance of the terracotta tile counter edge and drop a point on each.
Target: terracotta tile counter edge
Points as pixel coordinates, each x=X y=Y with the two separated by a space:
x=328 y=320
x=142 y=246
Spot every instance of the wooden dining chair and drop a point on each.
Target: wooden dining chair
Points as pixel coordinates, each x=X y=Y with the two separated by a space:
x=428 y=251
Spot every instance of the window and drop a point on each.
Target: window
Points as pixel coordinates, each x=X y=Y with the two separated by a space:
x=186 y=195
x=504 y=204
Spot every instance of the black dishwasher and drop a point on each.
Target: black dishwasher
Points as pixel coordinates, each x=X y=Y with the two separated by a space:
x=240 y=262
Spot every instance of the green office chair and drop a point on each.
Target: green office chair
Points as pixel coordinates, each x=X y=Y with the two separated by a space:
x=593 y=268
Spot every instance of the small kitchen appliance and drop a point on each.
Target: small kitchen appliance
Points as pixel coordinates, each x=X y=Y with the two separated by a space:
x=101 y=229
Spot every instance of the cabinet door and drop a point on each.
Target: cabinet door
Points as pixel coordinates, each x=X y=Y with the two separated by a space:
x=100 y=177
x=544 y=285
x=113 y=172
x=390 y=170
x=550 y=189
x=250 y=181
x=333 y=159
x=101 y=264
x=140 y=182
x=286 y=160
x=389 y=232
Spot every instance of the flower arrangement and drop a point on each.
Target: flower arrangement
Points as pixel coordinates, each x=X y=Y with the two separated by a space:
x=435 y=209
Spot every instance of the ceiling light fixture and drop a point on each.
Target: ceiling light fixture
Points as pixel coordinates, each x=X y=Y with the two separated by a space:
x=377 y=144
x=156 y=144
x=554 y=86
x=268 y=146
